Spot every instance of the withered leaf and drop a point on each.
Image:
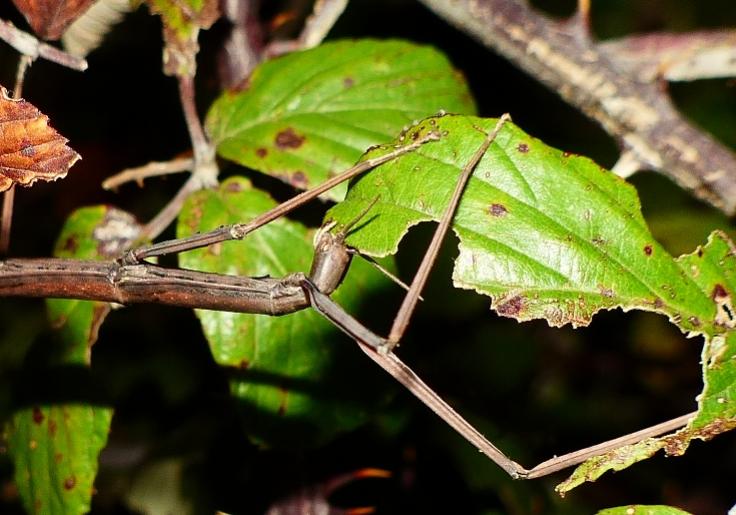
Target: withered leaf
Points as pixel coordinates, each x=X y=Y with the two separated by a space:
x=182 y=20
x=50 y=18
x=29 y=148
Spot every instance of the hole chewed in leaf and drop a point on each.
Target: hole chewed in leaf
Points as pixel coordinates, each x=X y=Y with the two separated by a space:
x=288 y=138
x=725 y=315
x=29 y=148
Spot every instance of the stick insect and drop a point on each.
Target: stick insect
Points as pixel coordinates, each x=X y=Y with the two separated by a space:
x=132 y=280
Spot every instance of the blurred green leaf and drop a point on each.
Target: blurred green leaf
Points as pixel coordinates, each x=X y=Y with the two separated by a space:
x=640 y=509
x=553 y=236
x=309 y=115
x=55 y=445
x=289 y=373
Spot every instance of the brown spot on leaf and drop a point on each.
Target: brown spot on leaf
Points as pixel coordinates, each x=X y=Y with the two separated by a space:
x=566 y=154
x=38 y=416
x=71 y=244
x=598 y=240
x=606 y=292
x=695 y=321
x=261 y=152
x=58 y=457
x=700 y=252
x=498 y=210
x=648 y=250
x=523 y=148
x=288 y=138
x=52 y=427
x=243 y=364
x=243 y=85
x=233 y=187
x=70 y=483
x=658 y=303
x=284 y=396
x=348 y=82
x=511 y=307
x=299 y=180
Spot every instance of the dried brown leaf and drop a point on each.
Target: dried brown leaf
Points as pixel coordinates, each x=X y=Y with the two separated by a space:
x=29 y=148
x=50 y=18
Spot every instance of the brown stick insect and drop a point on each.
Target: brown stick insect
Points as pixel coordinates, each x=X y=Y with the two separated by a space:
x=131 y=280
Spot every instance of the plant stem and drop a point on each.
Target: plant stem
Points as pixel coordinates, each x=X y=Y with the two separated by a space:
x=6 y=217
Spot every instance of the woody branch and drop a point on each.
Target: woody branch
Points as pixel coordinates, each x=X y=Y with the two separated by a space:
x=606 y=82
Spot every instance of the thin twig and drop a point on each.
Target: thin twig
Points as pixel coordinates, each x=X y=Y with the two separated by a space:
x=690 y=56
x=243 y=48
x=169 y=213
x=152 y=169
x=7 y=219
x=205 y=171
x=28 y=45
x=325 y=14
x=240 y=230
x=203 y=152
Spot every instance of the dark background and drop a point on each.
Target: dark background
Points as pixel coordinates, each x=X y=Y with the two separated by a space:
x=535 y=391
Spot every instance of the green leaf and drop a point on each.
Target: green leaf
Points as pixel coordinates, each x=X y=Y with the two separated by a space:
x=309 y=115
x=54 y=449
x=55 y=444
x=641 y=509
x=288 y=373
x=553 y=236
x=712 y=267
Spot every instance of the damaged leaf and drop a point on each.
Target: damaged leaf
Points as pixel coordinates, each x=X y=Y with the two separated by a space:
x=30 y=149
x=552 y=236
x=307 y=116
x=182 y=20
x=50 y=18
